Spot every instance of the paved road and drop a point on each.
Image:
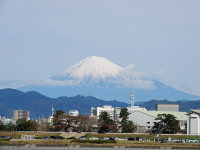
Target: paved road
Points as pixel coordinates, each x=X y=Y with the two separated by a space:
x=67 y=135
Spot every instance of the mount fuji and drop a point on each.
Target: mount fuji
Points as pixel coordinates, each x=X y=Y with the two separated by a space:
x=97 y=76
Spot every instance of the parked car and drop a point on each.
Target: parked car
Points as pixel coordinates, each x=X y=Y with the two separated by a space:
x=93 y=138
x=130 y=139
x=193 y=141
x=82 y=138
x=53 y=137
x=103 y=138
x=5 y=137
x=176 y=140
x=164 y=140
x=56 y=137
x=45 y=138
x=143 y=139
x=111 y=138
x=101 y=132
x=137 y=138
x=120 y=139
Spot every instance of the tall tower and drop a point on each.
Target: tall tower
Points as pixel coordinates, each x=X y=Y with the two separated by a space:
x=52 y=111
x=132 y=99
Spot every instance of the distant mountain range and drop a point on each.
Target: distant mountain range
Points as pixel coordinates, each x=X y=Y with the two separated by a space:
x=98 y=77
x=40 y=105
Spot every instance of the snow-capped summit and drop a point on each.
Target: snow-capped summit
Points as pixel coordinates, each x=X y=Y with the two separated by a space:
x=97 y=76
x=96 y=68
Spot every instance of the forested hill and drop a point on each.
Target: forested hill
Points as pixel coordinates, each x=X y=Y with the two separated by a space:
x=40 y=105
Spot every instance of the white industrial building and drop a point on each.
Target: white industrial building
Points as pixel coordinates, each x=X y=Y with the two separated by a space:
x=114 y=112
x=145 y=119
x=73 y=113
x=107 y=108
x=193 y=126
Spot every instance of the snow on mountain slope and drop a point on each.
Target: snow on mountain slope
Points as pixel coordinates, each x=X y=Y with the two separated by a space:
x=97 y=76
x=96 y=68
x=101 y=72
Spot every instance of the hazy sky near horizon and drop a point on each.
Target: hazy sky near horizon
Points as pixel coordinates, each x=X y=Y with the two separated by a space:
x=39 y=39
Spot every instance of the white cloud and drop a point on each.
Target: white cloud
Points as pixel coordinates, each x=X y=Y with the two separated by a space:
x=51 y=82
x=129 y=78
x=11 y=83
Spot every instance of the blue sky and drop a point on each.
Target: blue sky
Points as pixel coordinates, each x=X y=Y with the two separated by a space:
x=39 y=39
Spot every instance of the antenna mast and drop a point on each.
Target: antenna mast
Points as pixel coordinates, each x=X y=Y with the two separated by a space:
x=132 y=99
x=52 y=111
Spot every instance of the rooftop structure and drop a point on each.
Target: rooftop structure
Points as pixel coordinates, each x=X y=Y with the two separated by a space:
x=132 y=107
x=178 y=115
x=167 y=107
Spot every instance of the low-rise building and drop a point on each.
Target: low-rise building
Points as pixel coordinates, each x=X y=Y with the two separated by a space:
x=193 y=126
x=145 y=119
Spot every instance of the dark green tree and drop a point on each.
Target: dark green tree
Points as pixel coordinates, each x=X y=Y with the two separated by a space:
x=105 y=122
x=59 y=113
x=2 y=127
x=10 y=127
x=58 y=122
x=126 y=125
x=24 y=125
x=168 y=124
x=124 y=114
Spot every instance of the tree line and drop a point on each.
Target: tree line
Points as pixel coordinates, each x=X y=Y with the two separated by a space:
x=166 y=123
x=21 y=125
